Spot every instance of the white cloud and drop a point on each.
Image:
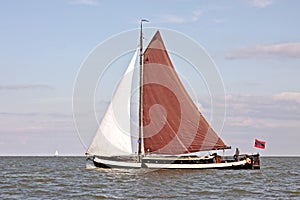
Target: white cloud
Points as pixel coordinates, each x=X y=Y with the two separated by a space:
x=261 y=122
x=293 y=97
x=260 y=3
x=281 y=50
x=203 y=109
x=29 y=122
x=171 y=19
x=245 y=122
x=176 y=19
x=280 y=110
x=25 y=87
x=196 y=15
x=84 y=2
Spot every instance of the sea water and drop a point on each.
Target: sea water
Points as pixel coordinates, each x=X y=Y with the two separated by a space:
x=70 y=178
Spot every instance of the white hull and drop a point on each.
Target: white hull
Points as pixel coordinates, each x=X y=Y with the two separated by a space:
x=195 y=166
x=115 y=163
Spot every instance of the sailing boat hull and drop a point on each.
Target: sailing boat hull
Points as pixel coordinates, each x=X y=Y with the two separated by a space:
x=208 y=162
x=116 y=162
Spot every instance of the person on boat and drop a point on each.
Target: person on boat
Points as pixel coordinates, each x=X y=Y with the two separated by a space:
x=217 y=158
x=236 y=155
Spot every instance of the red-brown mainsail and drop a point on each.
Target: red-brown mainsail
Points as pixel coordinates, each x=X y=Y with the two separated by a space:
x=172 y=123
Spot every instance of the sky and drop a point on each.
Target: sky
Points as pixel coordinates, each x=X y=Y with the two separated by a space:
x=254 y=43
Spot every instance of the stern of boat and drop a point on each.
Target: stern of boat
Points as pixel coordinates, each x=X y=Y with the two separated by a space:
x=255 y=161
x=252 y=161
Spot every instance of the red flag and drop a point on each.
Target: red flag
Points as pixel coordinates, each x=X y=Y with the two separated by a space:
x=260 y=144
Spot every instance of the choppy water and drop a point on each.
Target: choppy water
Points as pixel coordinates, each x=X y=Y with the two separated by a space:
x=68 y=178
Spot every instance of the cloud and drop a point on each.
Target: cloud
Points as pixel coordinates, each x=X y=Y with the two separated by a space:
x=11 y=114
x=84 y=2
x=35 y=122
x=55 y=115
x=196 y=15
x=169 y=18
x=261 y=123
x=280 y=110
x=260 y=3
x=25 y=87
x=293 y=97
x=281 y=50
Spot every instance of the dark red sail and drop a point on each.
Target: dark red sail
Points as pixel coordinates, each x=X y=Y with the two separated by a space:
x=172 y=124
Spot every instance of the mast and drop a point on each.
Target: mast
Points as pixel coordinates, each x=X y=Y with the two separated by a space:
x=141 y=93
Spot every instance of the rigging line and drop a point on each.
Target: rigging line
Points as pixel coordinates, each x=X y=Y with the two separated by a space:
x=176 y=136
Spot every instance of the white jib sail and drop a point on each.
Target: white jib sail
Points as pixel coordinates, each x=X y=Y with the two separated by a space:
x=113 y=137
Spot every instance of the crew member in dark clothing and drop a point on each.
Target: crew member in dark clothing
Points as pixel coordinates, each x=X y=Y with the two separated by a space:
x=236 y=155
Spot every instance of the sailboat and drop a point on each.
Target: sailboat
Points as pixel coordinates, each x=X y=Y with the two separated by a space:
x=172 y=131
x=56 y=153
